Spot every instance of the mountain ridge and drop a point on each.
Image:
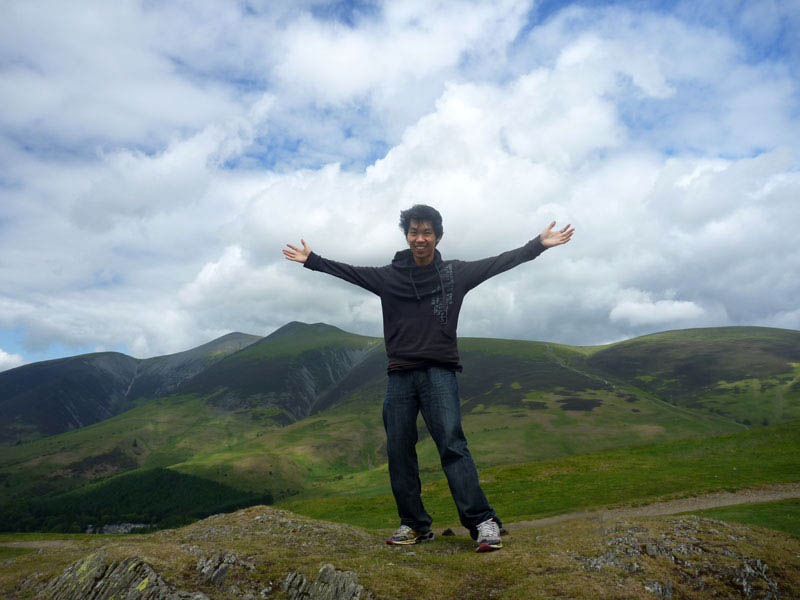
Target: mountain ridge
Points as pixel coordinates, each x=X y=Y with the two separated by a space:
x=291 y=413
x=52 y=396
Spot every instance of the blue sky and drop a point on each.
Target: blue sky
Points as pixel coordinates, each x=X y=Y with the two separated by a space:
x=157 y=156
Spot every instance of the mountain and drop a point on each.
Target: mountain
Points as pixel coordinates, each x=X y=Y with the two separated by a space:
x=301 y=409
x=49 y=397
x=285 y=373
x=53 y=396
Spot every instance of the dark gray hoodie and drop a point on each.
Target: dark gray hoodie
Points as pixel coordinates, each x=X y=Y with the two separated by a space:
x=421 y=304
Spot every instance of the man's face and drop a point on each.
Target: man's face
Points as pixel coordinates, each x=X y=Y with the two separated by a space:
x=422 y=241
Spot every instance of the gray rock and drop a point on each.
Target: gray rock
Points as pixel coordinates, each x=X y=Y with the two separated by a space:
x=754 y=571
x=329 y=584
x=662 y=590
x=215 y=568
x=699 y=555
x=597 y=563
x=96 y=577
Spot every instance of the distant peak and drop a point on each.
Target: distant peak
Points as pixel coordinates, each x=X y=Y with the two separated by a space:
x=235 y=335
x=298 y=328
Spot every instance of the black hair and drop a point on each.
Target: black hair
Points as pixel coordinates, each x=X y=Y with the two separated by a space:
x=419 y=213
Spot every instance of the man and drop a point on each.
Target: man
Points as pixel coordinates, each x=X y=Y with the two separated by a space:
x=421 y=296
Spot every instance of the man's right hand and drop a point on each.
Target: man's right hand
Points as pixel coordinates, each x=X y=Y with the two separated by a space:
x=296 y=254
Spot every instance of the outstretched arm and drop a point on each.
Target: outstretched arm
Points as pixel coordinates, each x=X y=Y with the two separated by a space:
x=476 y=272
x=369 y=278
x=550 y=238
x=296 y=254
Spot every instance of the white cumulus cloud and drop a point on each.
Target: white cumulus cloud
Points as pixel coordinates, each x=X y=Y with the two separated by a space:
x=150 y=180
x=9 y=361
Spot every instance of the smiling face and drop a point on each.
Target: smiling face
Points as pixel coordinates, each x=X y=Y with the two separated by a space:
x=422 y=240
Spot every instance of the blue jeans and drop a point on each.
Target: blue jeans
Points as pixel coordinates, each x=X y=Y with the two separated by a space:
x=434 y=392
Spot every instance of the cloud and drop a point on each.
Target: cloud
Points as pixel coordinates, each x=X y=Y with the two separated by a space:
x=77 y=79
x=656 y=313
x=10 y=361
x=410 y=43
x=157 y=223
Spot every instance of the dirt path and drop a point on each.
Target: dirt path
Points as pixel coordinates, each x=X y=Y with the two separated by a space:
x=767 y=493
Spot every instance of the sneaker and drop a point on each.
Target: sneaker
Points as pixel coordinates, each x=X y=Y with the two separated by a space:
x=489 y=536
x=405 y=536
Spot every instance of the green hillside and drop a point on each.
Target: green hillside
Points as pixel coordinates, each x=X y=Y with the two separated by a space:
x=749 y=374
x=243 y=423
x=285 y=373
x=582 y=481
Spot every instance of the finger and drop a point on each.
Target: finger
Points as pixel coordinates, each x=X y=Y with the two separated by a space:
x=305 y=246
x=565 y=228
x=293 y=248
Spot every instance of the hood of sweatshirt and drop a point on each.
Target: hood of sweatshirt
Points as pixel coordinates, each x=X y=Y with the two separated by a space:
x=411 y=281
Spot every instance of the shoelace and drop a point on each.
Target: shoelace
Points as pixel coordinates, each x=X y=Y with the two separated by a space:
x=404 y=529
x=488 y=529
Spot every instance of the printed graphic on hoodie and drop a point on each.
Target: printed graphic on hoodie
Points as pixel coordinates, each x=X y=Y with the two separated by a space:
x=441 y=302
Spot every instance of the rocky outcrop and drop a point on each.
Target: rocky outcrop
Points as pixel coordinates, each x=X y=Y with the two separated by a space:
x=700 y=554
x=214 y=567
x=263 y=553
x=96 y=577
x=329 y=584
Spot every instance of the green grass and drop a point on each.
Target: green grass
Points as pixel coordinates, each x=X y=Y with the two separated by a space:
x=12 y=552
x=753 y=401
x=783 y=515
x=40 y=536
x=620 y=476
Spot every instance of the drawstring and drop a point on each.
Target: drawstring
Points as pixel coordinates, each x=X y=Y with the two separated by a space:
x=441 y=286
x=444 y=296
x=414 y=285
